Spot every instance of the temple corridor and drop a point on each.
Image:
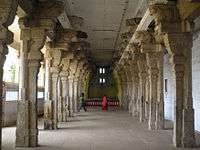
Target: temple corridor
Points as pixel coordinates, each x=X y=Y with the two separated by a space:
x=138 y=61
x=113 y=130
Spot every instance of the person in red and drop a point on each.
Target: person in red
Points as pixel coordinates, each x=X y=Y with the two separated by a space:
x=104 y=103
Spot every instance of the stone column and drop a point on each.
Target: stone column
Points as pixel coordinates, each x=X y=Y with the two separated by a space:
x=184 y=134
x=60 y=99
x=148 y=46
x=142 y=80
x=48 y=104
x=33 y=36
x=179 y=44
x=71 y=98
x=30 y=57
x=65 y=94
x=51 y=104
x=147 y=98
x=75 y=95
x=153 y=76
x=55 y=70
x=8 y=11
x=135 y=75
x=160 y=120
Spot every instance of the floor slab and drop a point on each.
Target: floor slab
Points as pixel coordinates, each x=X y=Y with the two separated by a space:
x=98 y=131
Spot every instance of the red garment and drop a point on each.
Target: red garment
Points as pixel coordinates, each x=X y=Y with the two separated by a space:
x=104 y=103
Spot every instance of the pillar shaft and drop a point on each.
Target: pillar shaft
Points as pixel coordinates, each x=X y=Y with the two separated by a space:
x=65 y=95
x=183 y=133
x=48 y=105
x=135 y=108
x=27 y=132
x=160 y=103
x=75 y=95
x=71 y=97
x=8 y=11
x=142 y=87
x=153 y=78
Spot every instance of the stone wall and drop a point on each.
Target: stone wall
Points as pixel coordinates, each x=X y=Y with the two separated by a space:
x=169 y=92
x=10 y=112
x=196 y=77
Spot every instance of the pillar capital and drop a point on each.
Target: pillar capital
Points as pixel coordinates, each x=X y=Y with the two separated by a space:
x=176 y=41
x=65 y=39
x=166 y=16
x=132 y=23
x=146 y=40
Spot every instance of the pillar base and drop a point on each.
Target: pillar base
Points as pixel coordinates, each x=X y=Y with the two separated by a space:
x=26 y=138
x=152 y=116
x=188 y=140
x=71 y=113
x=49 y=123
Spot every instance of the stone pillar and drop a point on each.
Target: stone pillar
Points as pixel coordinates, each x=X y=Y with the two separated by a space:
x=48 y=104
x=54 y=92
x=30 y=57
x=153 y=78
x=71 y=96
x=135 y=108
x=179 y=44
x=8 y=11
x=65 y=94
x=75 y=95
x=142 y=87
x=184 y=134
x=160 y=120
x=60 y=100
x=33 y=36
x=148 y=46
x=147 y=100
x=51 y=103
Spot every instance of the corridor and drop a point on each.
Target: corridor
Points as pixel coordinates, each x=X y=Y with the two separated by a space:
x=99 y=131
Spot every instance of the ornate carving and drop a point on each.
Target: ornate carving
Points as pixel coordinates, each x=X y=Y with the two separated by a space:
x=167 y=17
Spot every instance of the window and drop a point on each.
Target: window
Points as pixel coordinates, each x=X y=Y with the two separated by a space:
x=166 y=86
x=100 y=80
x=102 y=70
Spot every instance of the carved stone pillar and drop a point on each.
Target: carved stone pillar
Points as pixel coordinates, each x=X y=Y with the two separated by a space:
x=75 y=95
x=33 y=36
x=160 y=120
x=148 y=46
x=135 y=109
x=184 y=134
x=7 y=14
x=153 y=77
x=48 y=105
x=30 y=57
x=65 y=93
x=60 y=100
x=147 y=98
x=142 y=87
x=178 y=43
x=51 y=103
x=71 y=96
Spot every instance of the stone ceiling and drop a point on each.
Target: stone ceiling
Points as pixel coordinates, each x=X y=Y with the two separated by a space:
x=103 y=22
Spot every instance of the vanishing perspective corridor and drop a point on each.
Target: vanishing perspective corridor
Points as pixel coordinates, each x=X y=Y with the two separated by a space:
x=99 y=74
x=99 y=131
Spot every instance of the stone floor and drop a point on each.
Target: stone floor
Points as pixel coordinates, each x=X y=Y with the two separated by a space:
x=99 y=131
